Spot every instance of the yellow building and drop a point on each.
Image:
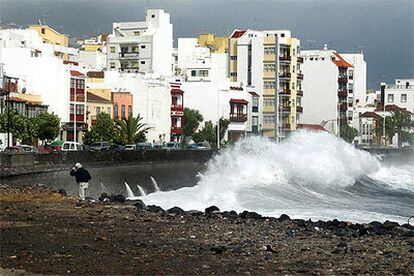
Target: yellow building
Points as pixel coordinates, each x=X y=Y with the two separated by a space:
x=94 y=44
x=217 y=44
x=289 y=75
x=95 y=106
x=50 y=36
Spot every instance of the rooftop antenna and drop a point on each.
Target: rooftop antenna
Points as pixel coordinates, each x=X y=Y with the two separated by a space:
x=39 y=21
x=360 y=47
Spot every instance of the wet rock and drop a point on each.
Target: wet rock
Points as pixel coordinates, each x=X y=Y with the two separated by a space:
x=284 y=217
x=176 y=210
x=389 y=225
x=408 y=234
x=119 y=198
x=212 y=209
x=155 y=209
x=269 y=248
x=195 y=213
x=231 y=214
x=218 y=249
x=104 y=197
x=250 y=215
x=140 y=205
x=62 y=192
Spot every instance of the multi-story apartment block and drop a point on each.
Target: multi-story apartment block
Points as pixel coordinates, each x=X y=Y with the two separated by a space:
x=144 y=47
x=334 y=85
x=216 y=44
x=267 y=63
x=401 y=94
x=177 y=112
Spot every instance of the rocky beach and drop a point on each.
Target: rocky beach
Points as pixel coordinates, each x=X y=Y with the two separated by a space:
x=45 y=232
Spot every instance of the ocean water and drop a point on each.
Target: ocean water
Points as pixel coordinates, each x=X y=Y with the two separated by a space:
x=310 y=176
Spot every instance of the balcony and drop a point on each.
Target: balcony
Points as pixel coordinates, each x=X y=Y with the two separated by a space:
x=343 y=107
x=285 y=108
x=127 y=55
x=300 y=76
x=177 y=107
x=176 y=130
x=238 y=118
x=285 y=75
x=255 y=109
x=300 y=59
x=299 y=109
x=285 y=58
x=299 y=93
x=286 y=125
x=79 y=118
x=342 y=93
x=284 y=91
x=342 y=79
x=351 y=77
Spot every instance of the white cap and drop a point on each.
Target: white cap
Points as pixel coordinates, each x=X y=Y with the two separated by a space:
x=78 y=165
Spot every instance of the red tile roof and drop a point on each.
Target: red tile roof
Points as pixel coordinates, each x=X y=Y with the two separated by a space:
x=239 y=101
x=16 y=99
x=254 y=94
x=76 y=73
x=312 y=127
x=341 y=62
x=96 y=98
x=370 y=114
x=238 y=33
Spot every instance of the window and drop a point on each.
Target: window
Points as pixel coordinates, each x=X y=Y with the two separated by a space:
x=255 y=120
x=143 y=46
x=123 y=111
x=233 y=74
x=112 y=65
x=72 y=83
x=193 y=73
x=108 y=110
x=270 y=67
x=116 y=111
x=135 y=49
x=269 y=119
x=233 y=57
x=136 y=33
x=152 y=15
x=142 y=61
x=112 y=49
x=269 y=50
x=98 y=110
x=269 y=101
x=282 y=35
x=203 y=73
x=43 y=31
x=390 y=98
x=129 y=111
x=269 y=85
x=403 y=98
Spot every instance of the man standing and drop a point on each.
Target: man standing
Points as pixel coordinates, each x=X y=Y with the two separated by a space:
x=82 y=176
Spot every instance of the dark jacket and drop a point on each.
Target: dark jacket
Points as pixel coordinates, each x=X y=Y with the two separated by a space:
x=81 y=175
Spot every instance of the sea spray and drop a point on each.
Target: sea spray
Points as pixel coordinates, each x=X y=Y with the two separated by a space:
x=141 y=190
x=103 y=188
x=155 y=184
x=129 y=193
x=310 y=175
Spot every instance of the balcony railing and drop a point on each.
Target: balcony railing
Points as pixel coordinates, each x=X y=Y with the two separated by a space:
x=79 y=118
x=285 y=58
x=286 y=125
x=129 y=55
x=299 y=109
x=284 y=91
x=284 y=75
x=342 y=79
x=300 y=59
x=177 y=107
x=343 y=107
x=285 y=108
x=342 y=93
x=351 y=77
x=300 y=76
x=240 y=118
x=300 y=93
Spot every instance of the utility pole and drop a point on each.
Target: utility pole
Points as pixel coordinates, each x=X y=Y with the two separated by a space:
x=74 y=111
x=218 y=119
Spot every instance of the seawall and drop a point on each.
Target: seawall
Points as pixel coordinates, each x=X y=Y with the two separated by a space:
x=109 y=170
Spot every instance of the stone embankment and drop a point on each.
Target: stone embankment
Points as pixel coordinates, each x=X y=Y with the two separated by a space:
x=45 y=232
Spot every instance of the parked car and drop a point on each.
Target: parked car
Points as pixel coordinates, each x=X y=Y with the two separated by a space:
x=117 y=147
x=172 y=146
x=13 y=149
x=130 y=147
x=57 y=145
x=203 y=145
x=71 y=146
x=144 y=146
x=157 y=146
x=99 y=146
x=28 y=148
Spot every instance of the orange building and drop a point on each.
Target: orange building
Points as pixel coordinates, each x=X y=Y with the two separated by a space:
x=122 y=104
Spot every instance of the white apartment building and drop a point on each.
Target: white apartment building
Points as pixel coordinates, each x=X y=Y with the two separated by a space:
x=401 y=94
x=144 y=47
x=199 y=63
x=333 y=86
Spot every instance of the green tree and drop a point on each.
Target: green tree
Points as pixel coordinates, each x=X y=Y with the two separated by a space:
x=209 y=132
x=21 y=127
x=348 y=133
x=192 y=119
x=131 y=130
x=399 y=123
x=48 y=126
x=103 y=130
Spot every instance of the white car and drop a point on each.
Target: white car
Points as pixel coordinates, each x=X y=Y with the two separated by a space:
x=71 y=146
x=131 y=147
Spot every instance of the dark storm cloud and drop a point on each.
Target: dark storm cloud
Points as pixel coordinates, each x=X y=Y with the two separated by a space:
x=384 y=30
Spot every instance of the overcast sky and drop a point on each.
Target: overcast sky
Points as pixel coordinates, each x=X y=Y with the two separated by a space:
x=384 y=30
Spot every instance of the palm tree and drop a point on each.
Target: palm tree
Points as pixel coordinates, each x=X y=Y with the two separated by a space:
x=131 y=130
x=399 y=123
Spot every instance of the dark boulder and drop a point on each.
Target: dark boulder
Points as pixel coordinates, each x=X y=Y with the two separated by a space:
x=62 y=192
x=176 y=210
x=140 y=205
x=119 y=198
x=250 y=215
x=195 y=213
x=231 y=214
x=155 y=209
x=103 y=197
x=389 y=225
x=212 y=209
x=218 y=249
x=284 y=217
